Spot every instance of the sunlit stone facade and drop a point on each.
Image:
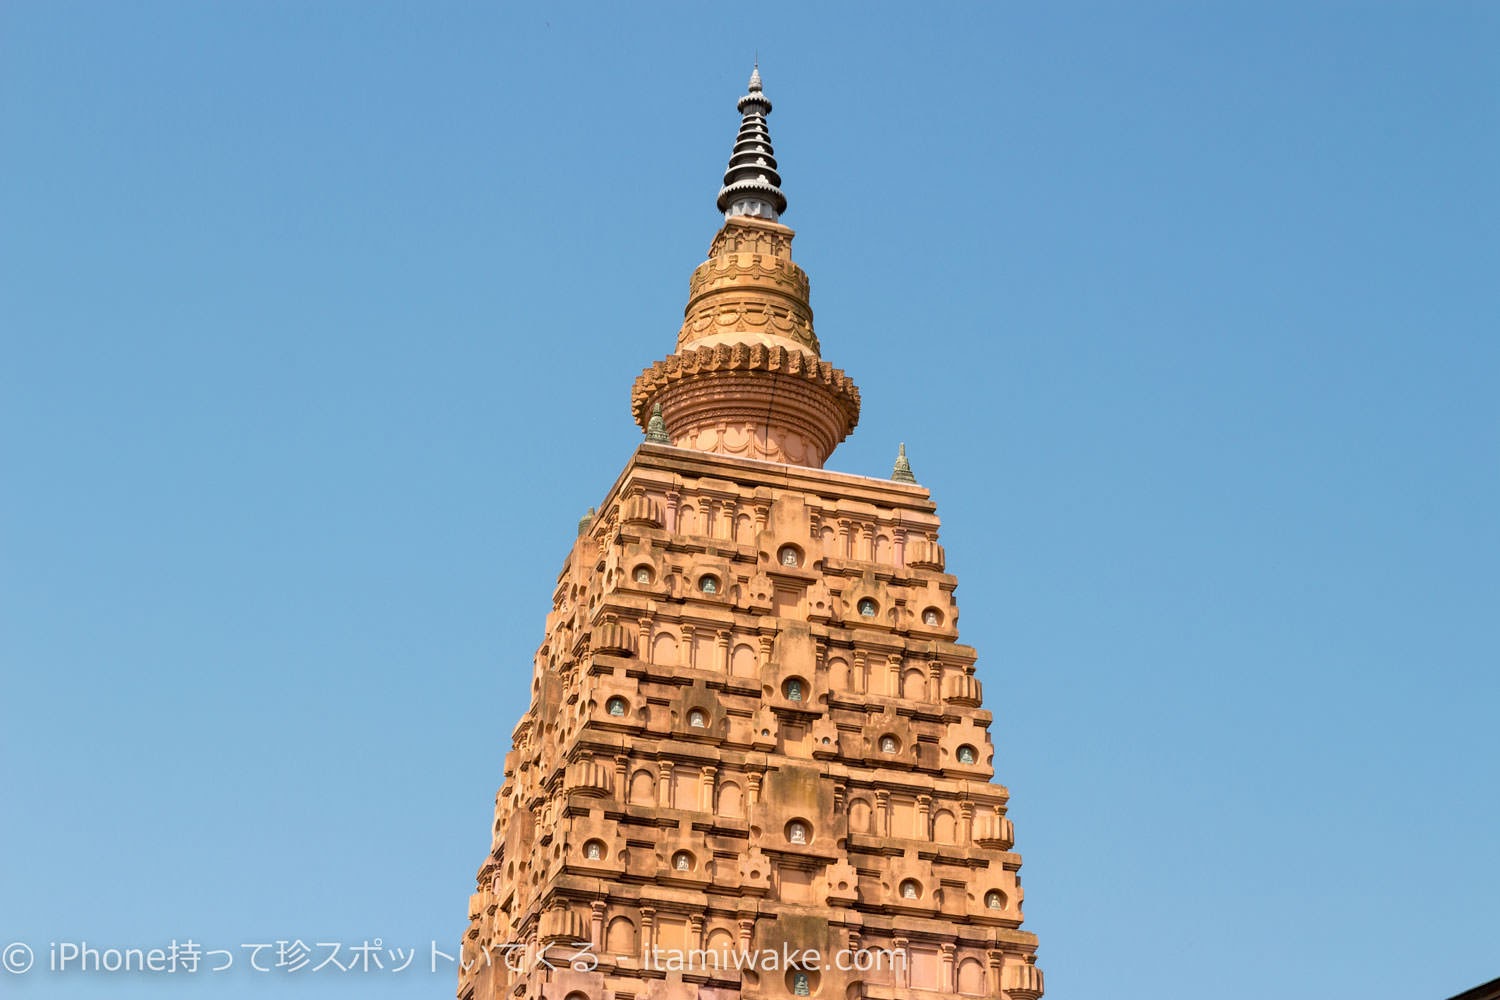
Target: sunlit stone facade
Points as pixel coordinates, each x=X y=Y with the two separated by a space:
x=752 y=732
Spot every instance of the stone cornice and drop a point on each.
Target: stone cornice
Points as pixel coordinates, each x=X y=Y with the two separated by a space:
x=667 y=465
x=760 y=358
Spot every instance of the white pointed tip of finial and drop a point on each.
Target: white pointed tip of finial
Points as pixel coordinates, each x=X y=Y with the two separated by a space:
x=755 y=77
x=902 y=449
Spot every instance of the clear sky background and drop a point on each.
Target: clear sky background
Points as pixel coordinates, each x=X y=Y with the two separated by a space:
x=319 y=322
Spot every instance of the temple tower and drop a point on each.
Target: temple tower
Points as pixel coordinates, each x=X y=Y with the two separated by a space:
x=752 y=730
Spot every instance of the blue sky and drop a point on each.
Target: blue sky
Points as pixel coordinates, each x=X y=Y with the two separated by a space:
x=319 y=322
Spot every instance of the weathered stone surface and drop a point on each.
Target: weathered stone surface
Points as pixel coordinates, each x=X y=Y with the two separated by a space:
x=688 y=787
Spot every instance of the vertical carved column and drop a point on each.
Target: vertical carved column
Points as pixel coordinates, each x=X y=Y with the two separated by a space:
x=935 y=679
x=721 y=639
x=724 y=520
x=903 y=967
x=767 y=646
x=596 y=925
x=945 y=969
x=866 y=543
x=695 y=932
x=622 y=777
x=664 y=783
x=966 y=826
x=707 y=508
x=752 y=789
x=645 y=629
x=746 y=928
x=648 y=930
x=673 y=499
x=706 y=794
x=893 y=675
x=762 y=516
x=731 y=513
x=846 y=539
x=689 y=651
x=924 y=816
x=995 y=960
x=861 y=679
x=882 y=812
x=898 y=541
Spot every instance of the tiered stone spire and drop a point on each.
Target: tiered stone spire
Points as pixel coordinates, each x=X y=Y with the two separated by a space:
x=656 y=428
x=752 y=729
x=747 y=378
x=901 y=472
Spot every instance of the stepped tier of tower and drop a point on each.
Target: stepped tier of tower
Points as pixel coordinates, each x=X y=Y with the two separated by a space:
x=751 y=727
x=746 y=378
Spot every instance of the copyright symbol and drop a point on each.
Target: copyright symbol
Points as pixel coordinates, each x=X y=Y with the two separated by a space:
x=17 y=958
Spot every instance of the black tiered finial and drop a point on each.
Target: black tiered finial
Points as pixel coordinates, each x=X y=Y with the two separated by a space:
x=751 y=184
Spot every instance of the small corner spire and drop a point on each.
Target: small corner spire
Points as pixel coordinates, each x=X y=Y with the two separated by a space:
x=585 y=522
x=751 y=184
x=902 y=472
x=656 y=427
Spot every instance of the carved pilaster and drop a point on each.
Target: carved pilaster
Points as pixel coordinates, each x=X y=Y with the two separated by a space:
x=695 y=931
x=709 y=781
x=946 y=981
x=596 y=924
x=746 y=928
x=710 y=509
x=674 y=499
x=622 y=776
x=664 y=783
x=721 y=640
x=648 y=929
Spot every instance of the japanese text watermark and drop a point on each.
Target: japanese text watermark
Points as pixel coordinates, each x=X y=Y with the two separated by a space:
x=373 y=955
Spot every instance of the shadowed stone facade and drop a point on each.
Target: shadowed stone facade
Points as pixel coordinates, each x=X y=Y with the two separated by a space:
x=752 y=730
